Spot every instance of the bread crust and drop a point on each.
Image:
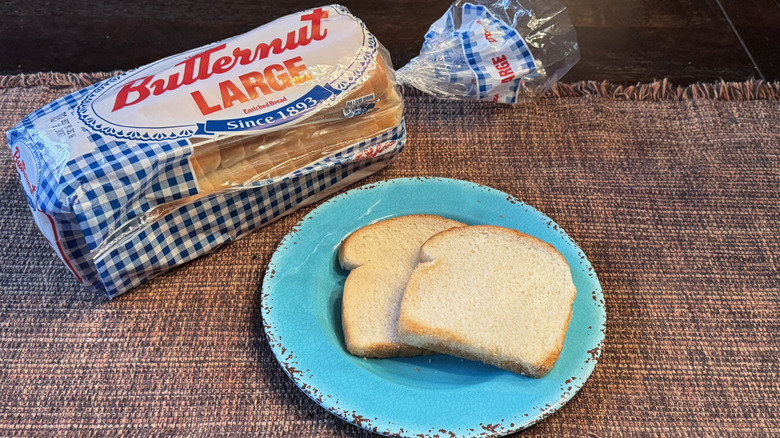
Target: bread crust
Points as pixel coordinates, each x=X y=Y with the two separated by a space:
x=419 y=334
x=350 y=259
x=348 y=263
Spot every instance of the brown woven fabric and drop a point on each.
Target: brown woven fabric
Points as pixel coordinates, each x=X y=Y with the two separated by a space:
x=672 y=193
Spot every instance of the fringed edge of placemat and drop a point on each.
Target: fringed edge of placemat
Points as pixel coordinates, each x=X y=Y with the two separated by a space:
x=751 y=89
x=662 y=90
x=54 y=79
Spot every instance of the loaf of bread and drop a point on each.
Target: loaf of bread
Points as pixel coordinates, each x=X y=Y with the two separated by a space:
x=166 y=162
x=491 y=294
x=380 y=257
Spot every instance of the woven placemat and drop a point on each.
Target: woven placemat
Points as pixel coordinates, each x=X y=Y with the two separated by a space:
x=672 y=192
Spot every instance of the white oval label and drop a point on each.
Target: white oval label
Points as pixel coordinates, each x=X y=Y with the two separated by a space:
x=268 y=77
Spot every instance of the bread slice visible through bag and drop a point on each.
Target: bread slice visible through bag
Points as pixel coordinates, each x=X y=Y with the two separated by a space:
x=381 y=256
x=491 y=294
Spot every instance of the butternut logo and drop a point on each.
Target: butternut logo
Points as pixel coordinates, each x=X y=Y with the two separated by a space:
x=274 y=77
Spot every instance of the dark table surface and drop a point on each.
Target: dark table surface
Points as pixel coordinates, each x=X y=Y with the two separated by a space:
x=624 y=41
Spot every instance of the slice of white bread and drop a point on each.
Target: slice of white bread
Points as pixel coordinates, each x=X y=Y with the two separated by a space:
x=491 y=294
x=381 y=256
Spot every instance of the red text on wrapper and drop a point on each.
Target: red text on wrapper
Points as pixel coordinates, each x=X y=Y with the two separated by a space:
x=274 y=77
x=22 y=166
x=375 y=150
x=504 y=69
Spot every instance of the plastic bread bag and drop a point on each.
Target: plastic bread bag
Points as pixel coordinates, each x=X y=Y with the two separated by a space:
x=134 y=175
x=502 y=51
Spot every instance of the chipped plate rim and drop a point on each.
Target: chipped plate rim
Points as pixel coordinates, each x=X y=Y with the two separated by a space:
x=300 y=309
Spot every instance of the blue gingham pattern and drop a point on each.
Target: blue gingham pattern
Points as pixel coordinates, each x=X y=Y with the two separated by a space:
x=122 y=181
x=97 y=201
x=479 y=53
x=451 y=65
x=200 y=227
x=463 y=55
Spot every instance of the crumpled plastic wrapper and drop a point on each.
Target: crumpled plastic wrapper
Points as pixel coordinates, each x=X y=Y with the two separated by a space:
x=502 y=51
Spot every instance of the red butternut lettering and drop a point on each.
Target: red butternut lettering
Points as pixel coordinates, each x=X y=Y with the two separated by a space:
x=316 y=17
x=224 y=64
x=243 y=55
x=203 y=65
x=159 y=86
x=124 y=93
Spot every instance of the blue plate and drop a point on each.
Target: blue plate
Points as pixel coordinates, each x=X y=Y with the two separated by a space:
x=428 y=395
